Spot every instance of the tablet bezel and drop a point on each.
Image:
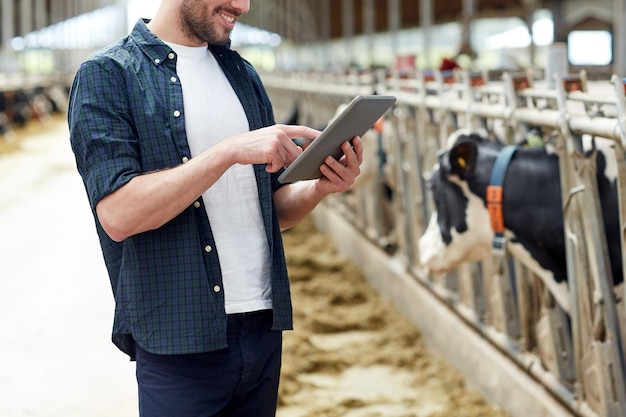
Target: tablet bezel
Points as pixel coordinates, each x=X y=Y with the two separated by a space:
x=355 y=120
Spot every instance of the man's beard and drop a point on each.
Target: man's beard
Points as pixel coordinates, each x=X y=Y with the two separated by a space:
x=196 y=24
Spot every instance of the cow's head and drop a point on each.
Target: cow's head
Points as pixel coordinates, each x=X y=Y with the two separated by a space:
x=459 y=229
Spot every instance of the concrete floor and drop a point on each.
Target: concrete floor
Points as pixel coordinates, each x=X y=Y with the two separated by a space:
x=56 y=305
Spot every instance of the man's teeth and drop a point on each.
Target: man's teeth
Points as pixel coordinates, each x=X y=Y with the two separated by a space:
x=229 y=19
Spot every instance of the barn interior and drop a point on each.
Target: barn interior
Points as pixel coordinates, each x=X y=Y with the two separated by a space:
x=549 y=71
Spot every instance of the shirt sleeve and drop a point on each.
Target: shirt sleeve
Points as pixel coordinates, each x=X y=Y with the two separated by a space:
x=101 y=134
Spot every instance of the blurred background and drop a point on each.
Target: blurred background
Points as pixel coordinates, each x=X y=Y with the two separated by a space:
x=553 y=67
x=53 y=36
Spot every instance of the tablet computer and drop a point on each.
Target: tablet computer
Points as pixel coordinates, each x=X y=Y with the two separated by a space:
x=355 y=120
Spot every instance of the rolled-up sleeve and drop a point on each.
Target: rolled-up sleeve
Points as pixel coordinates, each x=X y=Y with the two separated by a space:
x=102 y=138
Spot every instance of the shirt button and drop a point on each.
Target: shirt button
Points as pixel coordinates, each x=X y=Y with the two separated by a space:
x=171 y=55
x=173 y=79
x=185 y=159
x=157 y=61
x=196 y=204
x=216 y=288
x=208 y=248
x=176 y=113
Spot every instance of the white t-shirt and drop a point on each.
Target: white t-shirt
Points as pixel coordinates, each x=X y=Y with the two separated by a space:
x=213 y=112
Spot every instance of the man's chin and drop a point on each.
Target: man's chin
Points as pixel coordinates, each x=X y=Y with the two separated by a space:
x=219 y=40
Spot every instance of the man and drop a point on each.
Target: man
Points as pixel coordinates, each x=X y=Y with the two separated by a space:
x=175 y=140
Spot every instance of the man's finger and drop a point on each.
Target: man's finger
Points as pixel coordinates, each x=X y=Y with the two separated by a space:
x=299 y=131
x=357 y=148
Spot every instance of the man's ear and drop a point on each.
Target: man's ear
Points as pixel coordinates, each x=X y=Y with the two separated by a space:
x=463 y=158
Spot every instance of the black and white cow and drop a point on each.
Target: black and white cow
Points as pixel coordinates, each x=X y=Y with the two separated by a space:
x=460 y=229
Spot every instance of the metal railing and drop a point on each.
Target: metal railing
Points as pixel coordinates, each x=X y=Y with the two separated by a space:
x=578 y=358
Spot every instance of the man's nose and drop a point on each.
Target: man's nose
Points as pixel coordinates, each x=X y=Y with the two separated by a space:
x=242 y=5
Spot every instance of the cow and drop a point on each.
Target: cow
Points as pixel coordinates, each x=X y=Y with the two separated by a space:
x=19 y=106
x=460 y=230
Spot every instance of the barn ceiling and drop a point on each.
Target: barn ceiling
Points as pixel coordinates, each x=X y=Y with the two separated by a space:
x=303 y=21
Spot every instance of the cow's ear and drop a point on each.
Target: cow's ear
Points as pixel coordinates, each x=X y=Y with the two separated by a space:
x=463 y=158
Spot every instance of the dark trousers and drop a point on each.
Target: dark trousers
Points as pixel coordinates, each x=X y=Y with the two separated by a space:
x=239 y=381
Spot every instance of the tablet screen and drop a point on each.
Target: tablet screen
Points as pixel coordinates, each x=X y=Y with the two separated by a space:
x=355 y=120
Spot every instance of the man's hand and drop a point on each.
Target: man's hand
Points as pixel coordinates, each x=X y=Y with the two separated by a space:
x=294 y=201
x=339 y=175
x=271 y=145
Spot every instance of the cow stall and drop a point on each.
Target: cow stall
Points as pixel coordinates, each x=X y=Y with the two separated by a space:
x=26 y=97
x=496 y=319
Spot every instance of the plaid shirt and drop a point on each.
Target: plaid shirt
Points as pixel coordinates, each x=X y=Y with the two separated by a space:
x=126 y=118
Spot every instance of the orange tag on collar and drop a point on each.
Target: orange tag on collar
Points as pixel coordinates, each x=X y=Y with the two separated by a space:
x=494 y=206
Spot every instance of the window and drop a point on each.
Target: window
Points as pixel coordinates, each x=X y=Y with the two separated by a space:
x=590 y=47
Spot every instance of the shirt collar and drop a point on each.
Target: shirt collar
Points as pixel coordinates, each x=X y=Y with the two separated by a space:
x=157 y=50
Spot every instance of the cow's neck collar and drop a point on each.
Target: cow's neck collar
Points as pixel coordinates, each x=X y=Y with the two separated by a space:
x=495 y=192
